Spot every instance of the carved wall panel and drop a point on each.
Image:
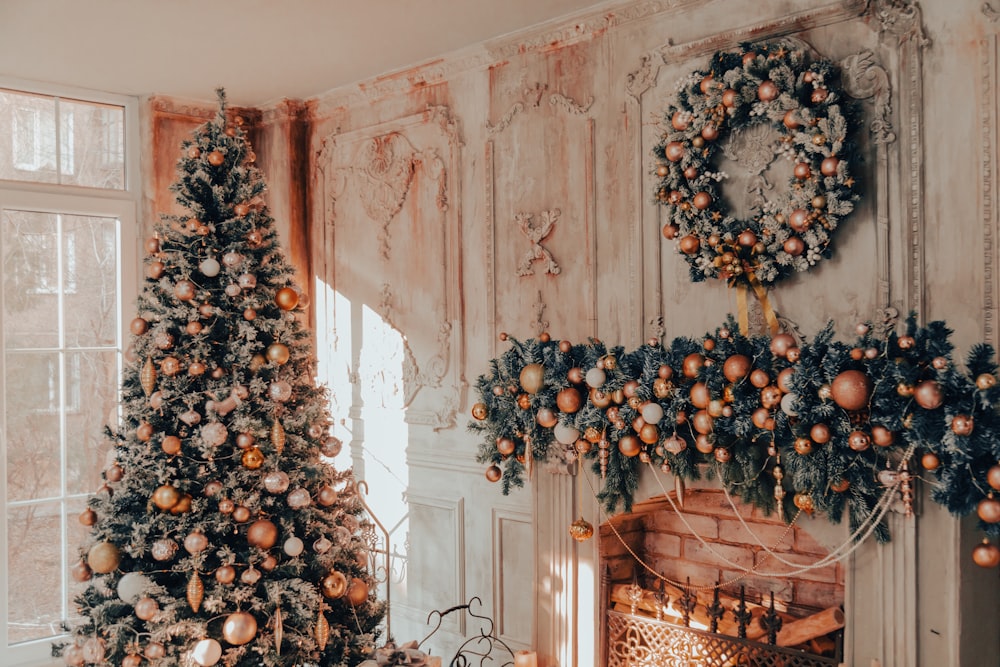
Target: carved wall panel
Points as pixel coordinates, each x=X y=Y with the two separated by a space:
x=513 y=557
x=540 y=214
x=442 y=557
x=391 y=240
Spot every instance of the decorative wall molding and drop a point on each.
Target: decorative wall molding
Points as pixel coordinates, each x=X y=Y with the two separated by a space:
x=536 y=228
x=531 y=98
x=539 y=307
x=453 y=511
x=502 y=607
x=378 y=166
x=989 y=106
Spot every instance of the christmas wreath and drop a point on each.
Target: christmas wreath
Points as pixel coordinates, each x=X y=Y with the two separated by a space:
x=781 y=85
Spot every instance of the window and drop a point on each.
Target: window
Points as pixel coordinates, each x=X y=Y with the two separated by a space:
x=67 y=274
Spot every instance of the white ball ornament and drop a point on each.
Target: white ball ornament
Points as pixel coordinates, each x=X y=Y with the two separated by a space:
x=299 y=498
x=232 y=259
x=131 y=586
x=210 y=267
x=276 y=481
x=567 y=435
x=232 y=289
x=214 y=433
x=652 y=413
x=207 y=652
x=596 y=377
x=247 y=281
x=293 y=546
x=786 y=404
x=280 y=391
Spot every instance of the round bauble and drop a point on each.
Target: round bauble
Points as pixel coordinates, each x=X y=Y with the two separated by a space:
x=820 y=434
x=788 y=404
x=280 y=391
x=799 y=220
x=829 y=166
x=327 y=495
x=214 y=433
x=759 y=378
x=103 y=557
x=278 y=353
x=184 y=290
x=494 y=473
x=195 y=542
x=226 y=506
x=986 y=555
x=851 y=390
x=225 y=574
x=649 y=434
x=700 y=395
x=702 y=422
x=216 y=158
x=262 y=533
x=767 y=91
x=73 y=656
x=882 y=436
x=114 y=473
x=930 y=461
x=146 y=608
x=928 y=395
x=132 y=660
x=286 y=298
x=505 y=446
x=252 y=458
x=131 y=586
x=93 y=650
x=88 y=517
x=629 y=445
x=139 y=326
x=206 y=652
x=962 y=425
x=155 y=269
x=240 y=628
x=652 y=412
x=165 y=497
x=595 y=378
x=840 y=486
x=568 y=400
x=163 y=550
x=331 y=446
x=241 y=514
x=298 y=498
x=546 y=417
x=170 y=366
x=803 y=446
x=702 y=200
x=154 y=651
x=334 y=585
x=689 y=244
x=564 y=434
x=988 y=509
x=276 y=481
x=780 y=344
x=80 y=571
x=770 y=397
x=293 y=546
x=993 y=477
x=784 y=379
x=144 y=432
x=674 y=151
x=693 y=364
x=210 y=267
x=183 y=504
x=247 y=281
x=794 y=246
x=859 y=441
x=532 y=378
x=736 y=367
x=357 y=592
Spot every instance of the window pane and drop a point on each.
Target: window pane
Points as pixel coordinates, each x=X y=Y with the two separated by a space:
x=35 y=555
x=91 y=393
x=30 y=279
x=31 y=385
x=92 y=144
x=28 y=137
x=90 y=282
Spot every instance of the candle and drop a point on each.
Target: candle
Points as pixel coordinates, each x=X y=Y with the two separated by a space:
x=525 y=659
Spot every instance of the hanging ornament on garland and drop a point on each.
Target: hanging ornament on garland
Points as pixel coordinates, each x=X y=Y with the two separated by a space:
x=195 y=592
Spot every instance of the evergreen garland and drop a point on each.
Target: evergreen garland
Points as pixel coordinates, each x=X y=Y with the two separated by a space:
x=833 y=415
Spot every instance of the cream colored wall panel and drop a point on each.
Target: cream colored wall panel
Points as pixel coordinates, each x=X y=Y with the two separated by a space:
x=514 y=564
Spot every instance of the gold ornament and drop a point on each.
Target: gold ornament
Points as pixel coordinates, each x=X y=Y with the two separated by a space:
x=165 y=497
x=240 y=628
x=216 y=158
x=103 y=557
x=479 y=411
x=252 y=458
x=195 y=592
x=334 y=585
x=493 y=473
x=278 y=353
x=147 y=376
x=532 y=378
x=851 y=390
x=262 y=533
x=279 y=630
x=357 y=591
x=986 y=554
x=581 y=530
x=985 y=381
x=278 y=437
x=804 y=502
x=286 y=298
x=322 y=629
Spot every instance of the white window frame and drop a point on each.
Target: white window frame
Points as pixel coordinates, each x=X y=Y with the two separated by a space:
x=73 y=200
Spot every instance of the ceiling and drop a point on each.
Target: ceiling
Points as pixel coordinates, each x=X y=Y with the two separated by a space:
x=259 y=50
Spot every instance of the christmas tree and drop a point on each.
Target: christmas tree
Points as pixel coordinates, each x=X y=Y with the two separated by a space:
x=222 y=535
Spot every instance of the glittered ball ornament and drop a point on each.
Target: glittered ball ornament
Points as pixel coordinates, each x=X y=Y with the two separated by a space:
x=163 y=549
x=736 y=367
x=214 y=433
x=239 y=628
x=252 y=458
x=207 y=652
x=298 y=498
x=851 y=390
x=262 y=533
x=692 y=365
x=286 y=298
x=184 y=290
x=767 y=91
x=532 y=378
x=331 y=447
x=195 y=542
x=103 y=557
x=280 y=391
x=146 y=608
x=581 y=530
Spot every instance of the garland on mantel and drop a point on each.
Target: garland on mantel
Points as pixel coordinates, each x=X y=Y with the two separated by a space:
x=819 y=426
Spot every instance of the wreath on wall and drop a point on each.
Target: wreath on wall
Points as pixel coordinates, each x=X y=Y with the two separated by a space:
x=796 y=95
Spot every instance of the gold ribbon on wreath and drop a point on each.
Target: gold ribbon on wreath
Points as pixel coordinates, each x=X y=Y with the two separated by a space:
x=765 y=305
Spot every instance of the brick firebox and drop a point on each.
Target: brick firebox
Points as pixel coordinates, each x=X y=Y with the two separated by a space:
x=658 y=535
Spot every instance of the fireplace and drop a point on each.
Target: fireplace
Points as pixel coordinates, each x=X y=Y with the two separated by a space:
x=705 y=579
